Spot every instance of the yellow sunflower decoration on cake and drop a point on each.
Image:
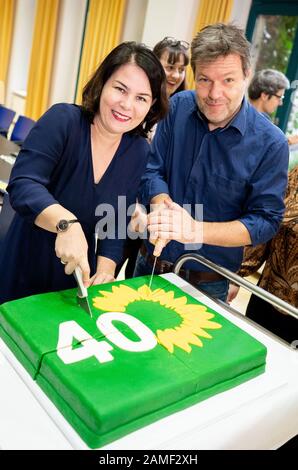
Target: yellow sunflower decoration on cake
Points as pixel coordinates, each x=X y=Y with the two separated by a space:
x=195 y=319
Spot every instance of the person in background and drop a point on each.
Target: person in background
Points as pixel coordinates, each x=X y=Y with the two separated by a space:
x=174 y=57
x=266 y=93
x=216 y=150
x=74 y=159
x=280 y=272
x=266 y=90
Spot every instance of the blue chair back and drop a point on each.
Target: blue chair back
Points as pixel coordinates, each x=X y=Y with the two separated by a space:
x=6 y=118
x=21 y=129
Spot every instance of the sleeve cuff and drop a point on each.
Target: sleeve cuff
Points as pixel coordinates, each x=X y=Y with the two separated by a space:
x=110 y=250
x=153 y=189
x=260 y=229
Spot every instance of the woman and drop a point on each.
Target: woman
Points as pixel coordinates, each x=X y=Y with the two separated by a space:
x=174 y=58
x=74 y=159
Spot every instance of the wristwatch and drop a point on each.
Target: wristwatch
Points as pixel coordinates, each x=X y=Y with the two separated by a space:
x=63 y=224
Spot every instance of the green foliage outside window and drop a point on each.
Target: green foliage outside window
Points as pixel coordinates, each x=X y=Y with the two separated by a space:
x=277 y=42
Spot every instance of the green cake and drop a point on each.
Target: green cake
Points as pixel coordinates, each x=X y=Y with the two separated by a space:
x=144 y=354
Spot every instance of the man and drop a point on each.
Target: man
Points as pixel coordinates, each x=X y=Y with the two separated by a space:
x=266 y=93
x=266 y=90
x=213 y=149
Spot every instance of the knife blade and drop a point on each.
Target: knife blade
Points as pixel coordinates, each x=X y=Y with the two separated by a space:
x=152 y=273
x=161 y=245
x=82 y=294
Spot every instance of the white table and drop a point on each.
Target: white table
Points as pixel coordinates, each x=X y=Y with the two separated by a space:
x=259 y=414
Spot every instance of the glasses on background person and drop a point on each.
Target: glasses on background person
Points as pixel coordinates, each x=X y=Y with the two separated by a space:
x=175 y=42
x=280 y=97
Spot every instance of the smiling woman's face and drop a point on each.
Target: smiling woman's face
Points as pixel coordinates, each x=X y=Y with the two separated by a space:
x=175 y=73
x=125 y=99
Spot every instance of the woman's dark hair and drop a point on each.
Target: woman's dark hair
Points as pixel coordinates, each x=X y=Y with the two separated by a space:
x=141 y=55
x=176 y=49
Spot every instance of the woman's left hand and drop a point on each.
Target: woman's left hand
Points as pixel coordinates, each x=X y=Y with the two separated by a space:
x=101 y=278
x=138 y=222
x=105 y=271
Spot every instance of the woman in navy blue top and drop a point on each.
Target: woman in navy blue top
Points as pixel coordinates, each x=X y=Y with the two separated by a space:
x=68 y=177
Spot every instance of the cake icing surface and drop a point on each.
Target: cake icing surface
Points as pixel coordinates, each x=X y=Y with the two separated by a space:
x=144 y=354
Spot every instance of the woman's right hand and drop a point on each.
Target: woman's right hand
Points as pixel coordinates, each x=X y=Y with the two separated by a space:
x=72 y=248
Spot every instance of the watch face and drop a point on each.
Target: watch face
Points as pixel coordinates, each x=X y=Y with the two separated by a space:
x=62 y=225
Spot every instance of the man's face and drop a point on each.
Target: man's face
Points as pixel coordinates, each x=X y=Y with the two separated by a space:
x=271 y=102
x=220 y=87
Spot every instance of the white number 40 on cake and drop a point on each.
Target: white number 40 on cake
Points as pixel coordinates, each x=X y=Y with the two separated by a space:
x=89 y=346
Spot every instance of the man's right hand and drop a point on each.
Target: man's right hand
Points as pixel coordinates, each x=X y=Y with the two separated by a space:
x=158 y=246
x=139 y=220
x=156 y=206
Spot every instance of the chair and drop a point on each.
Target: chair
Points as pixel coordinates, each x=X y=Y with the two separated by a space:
x=21 y=129
x=6 y=118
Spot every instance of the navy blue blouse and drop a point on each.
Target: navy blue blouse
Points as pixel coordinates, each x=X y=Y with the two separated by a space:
x=55 y=166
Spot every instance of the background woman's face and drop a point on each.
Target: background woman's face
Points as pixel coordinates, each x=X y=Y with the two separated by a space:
x=175 y=73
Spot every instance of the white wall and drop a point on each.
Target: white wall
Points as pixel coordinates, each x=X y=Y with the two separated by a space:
x=176 y=18
x=67 y=51
x=21 y=48
x=169 y=18
x=134 y=20
x=146 y=20
x=240 y=12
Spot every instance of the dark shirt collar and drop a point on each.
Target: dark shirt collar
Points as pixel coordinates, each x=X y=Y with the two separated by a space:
x=238 y=122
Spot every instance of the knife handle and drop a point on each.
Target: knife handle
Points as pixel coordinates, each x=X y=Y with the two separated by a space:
x=82 y=290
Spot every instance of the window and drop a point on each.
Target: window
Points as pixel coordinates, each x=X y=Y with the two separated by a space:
x=272 y=40
x=273 y=30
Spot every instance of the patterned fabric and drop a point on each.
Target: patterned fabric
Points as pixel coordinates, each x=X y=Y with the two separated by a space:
x=280 y=274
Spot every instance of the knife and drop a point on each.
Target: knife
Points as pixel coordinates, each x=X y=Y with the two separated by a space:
x=82 y=295
x=152 y=273
x=154 y=264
